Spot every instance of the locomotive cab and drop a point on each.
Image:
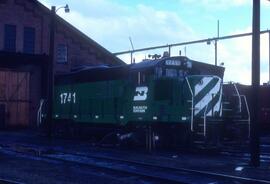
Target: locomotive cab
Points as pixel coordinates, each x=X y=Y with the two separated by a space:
x=161 y=91
x=173 y=94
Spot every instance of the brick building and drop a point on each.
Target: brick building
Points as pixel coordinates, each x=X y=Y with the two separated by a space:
x=24 y=49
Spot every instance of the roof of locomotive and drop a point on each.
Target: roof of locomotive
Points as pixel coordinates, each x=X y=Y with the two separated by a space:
x=149 y=63
x=102 y=72
x=144 y=65
x=195 y=67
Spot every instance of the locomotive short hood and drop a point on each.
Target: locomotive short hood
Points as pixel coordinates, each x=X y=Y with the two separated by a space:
x=195 y=67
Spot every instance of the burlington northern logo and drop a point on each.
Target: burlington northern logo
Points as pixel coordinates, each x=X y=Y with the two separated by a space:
x=140 y=93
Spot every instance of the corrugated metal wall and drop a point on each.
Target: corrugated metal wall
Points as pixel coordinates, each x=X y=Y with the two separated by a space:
x=14 y=94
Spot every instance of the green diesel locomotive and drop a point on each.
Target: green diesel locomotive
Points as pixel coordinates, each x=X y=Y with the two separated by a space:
x=172 y=99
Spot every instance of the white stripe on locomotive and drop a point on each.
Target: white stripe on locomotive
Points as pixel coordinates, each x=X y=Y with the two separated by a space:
x=199 y=87
x=209 y=96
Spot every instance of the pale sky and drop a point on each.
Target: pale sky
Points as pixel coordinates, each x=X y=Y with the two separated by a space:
x=160 y=22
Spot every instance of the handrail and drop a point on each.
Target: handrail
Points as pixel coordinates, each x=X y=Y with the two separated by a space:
x=39 y=113
x=192 y=109
x=245 y=99
x=239 y=98
x=221 y=96
x=204 y=120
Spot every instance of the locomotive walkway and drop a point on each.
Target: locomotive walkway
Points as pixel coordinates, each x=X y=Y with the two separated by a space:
x=216 y=165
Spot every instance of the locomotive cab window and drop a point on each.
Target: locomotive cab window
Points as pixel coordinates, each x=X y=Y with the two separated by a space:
x=182 y=74
x=166 y=72
x=158 y=72
x=171 y=72
x=139 y=77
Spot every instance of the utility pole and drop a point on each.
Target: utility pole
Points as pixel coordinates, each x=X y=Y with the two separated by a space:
x=50 y=81
x=269 y=56
x=254 y=136
x=50 y=73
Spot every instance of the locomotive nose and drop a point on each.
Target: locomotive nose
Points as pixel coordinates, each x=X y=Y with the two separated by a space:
x=206 y=94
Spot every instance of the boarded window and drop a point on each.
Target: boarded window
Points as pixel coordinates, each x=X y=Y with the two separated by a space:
x=10 y=38
x=62 y=52
x=15 y=94
x=29 y=40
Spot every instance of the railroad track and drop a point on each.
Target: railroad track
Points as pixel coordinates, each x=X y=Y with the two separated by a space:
x=220 y=178
x=245 y=156
x=6 y=181
x=243 y=152
x=143 y=170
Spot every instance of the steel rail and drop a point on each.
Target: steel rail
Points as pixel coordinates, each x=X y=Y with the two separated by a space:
x=80 y=160
x=108 y=167
x=175 y=169
x=7 y=181
x=185 y=169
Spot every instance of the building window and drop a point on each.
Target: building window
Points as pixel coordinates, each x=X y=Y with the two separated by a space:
x=29 y=40
x=61 y=53
x=10 y=38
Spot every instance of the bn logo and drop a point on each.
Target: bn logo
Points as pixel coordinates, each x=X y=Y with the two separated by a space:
x=140 y=94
